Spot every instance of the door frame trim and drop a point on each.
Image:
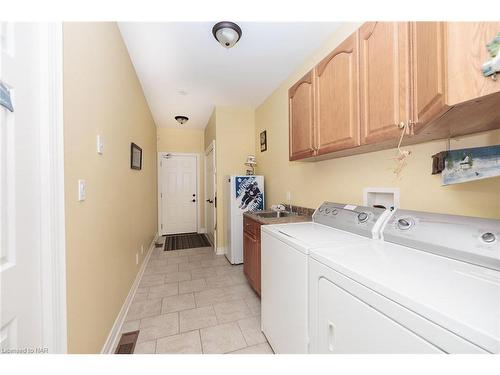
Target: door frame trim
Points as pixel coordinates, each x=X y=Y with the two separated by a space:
x=161 y=154
x=211 y=147
x=52 y=191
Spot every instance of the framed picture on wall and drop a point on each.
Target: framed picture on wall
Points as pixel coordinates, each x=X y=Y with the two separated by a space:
x=263 y=141
x=135 y=156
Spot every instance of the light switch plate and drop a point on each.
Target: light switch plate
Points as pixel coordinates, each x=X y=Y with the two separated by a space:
x=82 y=190
x=99 y=144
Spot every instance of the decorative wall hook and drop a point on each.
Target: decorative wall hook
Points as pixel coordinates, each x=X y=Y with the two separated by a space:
x=438 y=162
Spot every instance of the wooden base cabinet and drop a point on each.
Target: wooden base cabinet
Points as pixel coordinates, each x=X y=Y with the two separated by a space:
x=251 y=253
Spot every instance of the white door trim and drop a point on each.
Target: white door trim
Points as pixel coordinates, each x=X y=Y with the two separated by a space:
x=211 y=147
x=197 y=156
x=53 y=249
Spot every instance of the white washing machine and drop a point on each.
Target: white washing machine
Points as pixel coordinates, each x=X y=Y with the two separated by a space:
x=284 y=267
x=432 y=286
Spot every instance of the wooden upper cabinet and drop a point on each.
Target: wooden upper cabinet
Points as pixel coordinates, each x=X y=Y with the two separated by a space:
x=337 y=97
x=466 y=53
x=384 y=79
x=429 y=72
x=301 y=118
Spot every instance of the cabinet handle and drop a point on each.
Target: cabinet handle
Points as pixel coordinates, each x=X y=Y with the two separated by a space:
x=408 y=127
x=331 y=336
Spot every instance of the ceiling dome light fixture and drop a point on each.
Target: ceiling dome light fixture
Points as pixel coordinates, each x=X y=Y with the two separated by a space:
x=181 y=119
x=227 y=33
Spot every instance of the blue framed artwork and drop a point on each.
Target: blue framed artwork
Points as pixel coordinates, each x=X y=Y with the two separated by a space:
x=471 y=164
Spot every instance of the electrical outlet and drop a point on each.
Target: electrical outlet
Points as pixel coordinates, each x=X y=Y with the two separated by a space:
x=142 y=249
x=288 y=196
x=136 y=259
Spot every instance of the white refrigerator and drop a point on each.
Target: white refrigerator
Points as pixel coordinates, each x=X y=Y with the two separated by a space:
x=243 y=193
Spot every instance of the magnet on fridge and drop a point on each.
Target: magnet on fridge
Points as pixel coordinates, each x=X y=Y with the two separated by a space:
x=5 y=99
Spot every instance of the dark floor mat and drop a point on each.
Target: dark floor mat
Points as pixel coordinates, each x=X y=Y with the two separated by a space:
x=185 y=241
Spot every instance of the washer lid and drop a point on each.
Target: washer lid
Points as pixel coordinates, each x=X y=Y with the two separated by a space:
x=307 y=235
x=461 y=297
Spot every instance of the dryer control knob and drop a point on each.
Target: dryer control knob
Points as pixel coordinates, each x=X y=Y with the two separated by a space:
x=335 y=211
x=488 y=237
x=404 y=223
x=362 y=217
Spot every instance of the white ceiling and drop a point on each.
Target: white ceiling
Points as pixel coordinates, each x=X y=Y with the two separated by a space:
x=184 y=71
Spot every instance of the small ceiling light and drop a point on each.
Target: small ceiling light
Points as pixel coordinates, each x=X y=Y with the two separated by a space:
x=227 y=33
x=181 y=119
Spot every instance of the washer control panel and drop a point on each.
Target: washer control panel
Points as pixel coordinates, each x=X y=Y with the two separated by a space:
x=471 y=239
x=356 y=219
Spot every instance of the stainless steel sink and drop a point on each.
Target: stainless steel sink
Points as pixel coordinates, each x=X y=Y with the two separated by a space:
x=273 y=214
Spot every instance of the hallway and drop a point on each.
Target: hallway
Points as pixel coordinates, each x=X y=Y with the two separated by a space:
x=193 y=301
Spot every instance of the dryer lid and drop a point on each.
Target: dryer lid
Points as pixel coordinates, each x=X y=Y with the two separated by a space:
x=461 y=297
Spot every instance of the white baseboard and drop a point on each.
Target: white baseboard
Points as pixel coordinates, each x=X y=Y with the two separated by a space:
x=221 y=250
x=202 y=230
x=114 y=334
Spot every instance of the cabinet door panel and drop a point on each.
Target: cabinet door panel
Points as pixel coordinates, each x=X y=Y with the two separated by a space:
x=257 y=266
x=301 y=118
x=337 y=110
x=248 y=244
x=466 y=53
x=428 y=68
x=384 y=79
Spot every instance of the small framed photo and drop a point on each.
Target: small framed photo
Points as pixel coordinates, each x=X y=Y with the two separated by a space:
x=135 y=157
x=263 y=141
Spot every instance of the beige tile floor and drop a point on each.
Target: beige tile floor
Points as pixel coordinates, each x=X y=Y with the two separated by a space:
x=193 y=301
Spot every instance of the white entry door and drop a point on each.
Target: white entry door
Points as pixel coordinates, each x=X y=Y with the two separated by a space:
x=210 y=192
x=24 y=231
x=178 y=193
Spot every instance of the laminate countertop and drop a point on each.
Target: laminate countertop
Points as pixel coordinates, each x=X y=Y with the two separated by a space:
x=275 y=220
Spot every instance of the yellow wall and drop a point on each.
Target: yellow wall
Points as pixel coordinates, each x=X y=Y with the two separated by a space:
x=102 y=95
x=210 y=129
x=190 y=141
x=235 y=141
x=233 y=131
x=343 y=179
